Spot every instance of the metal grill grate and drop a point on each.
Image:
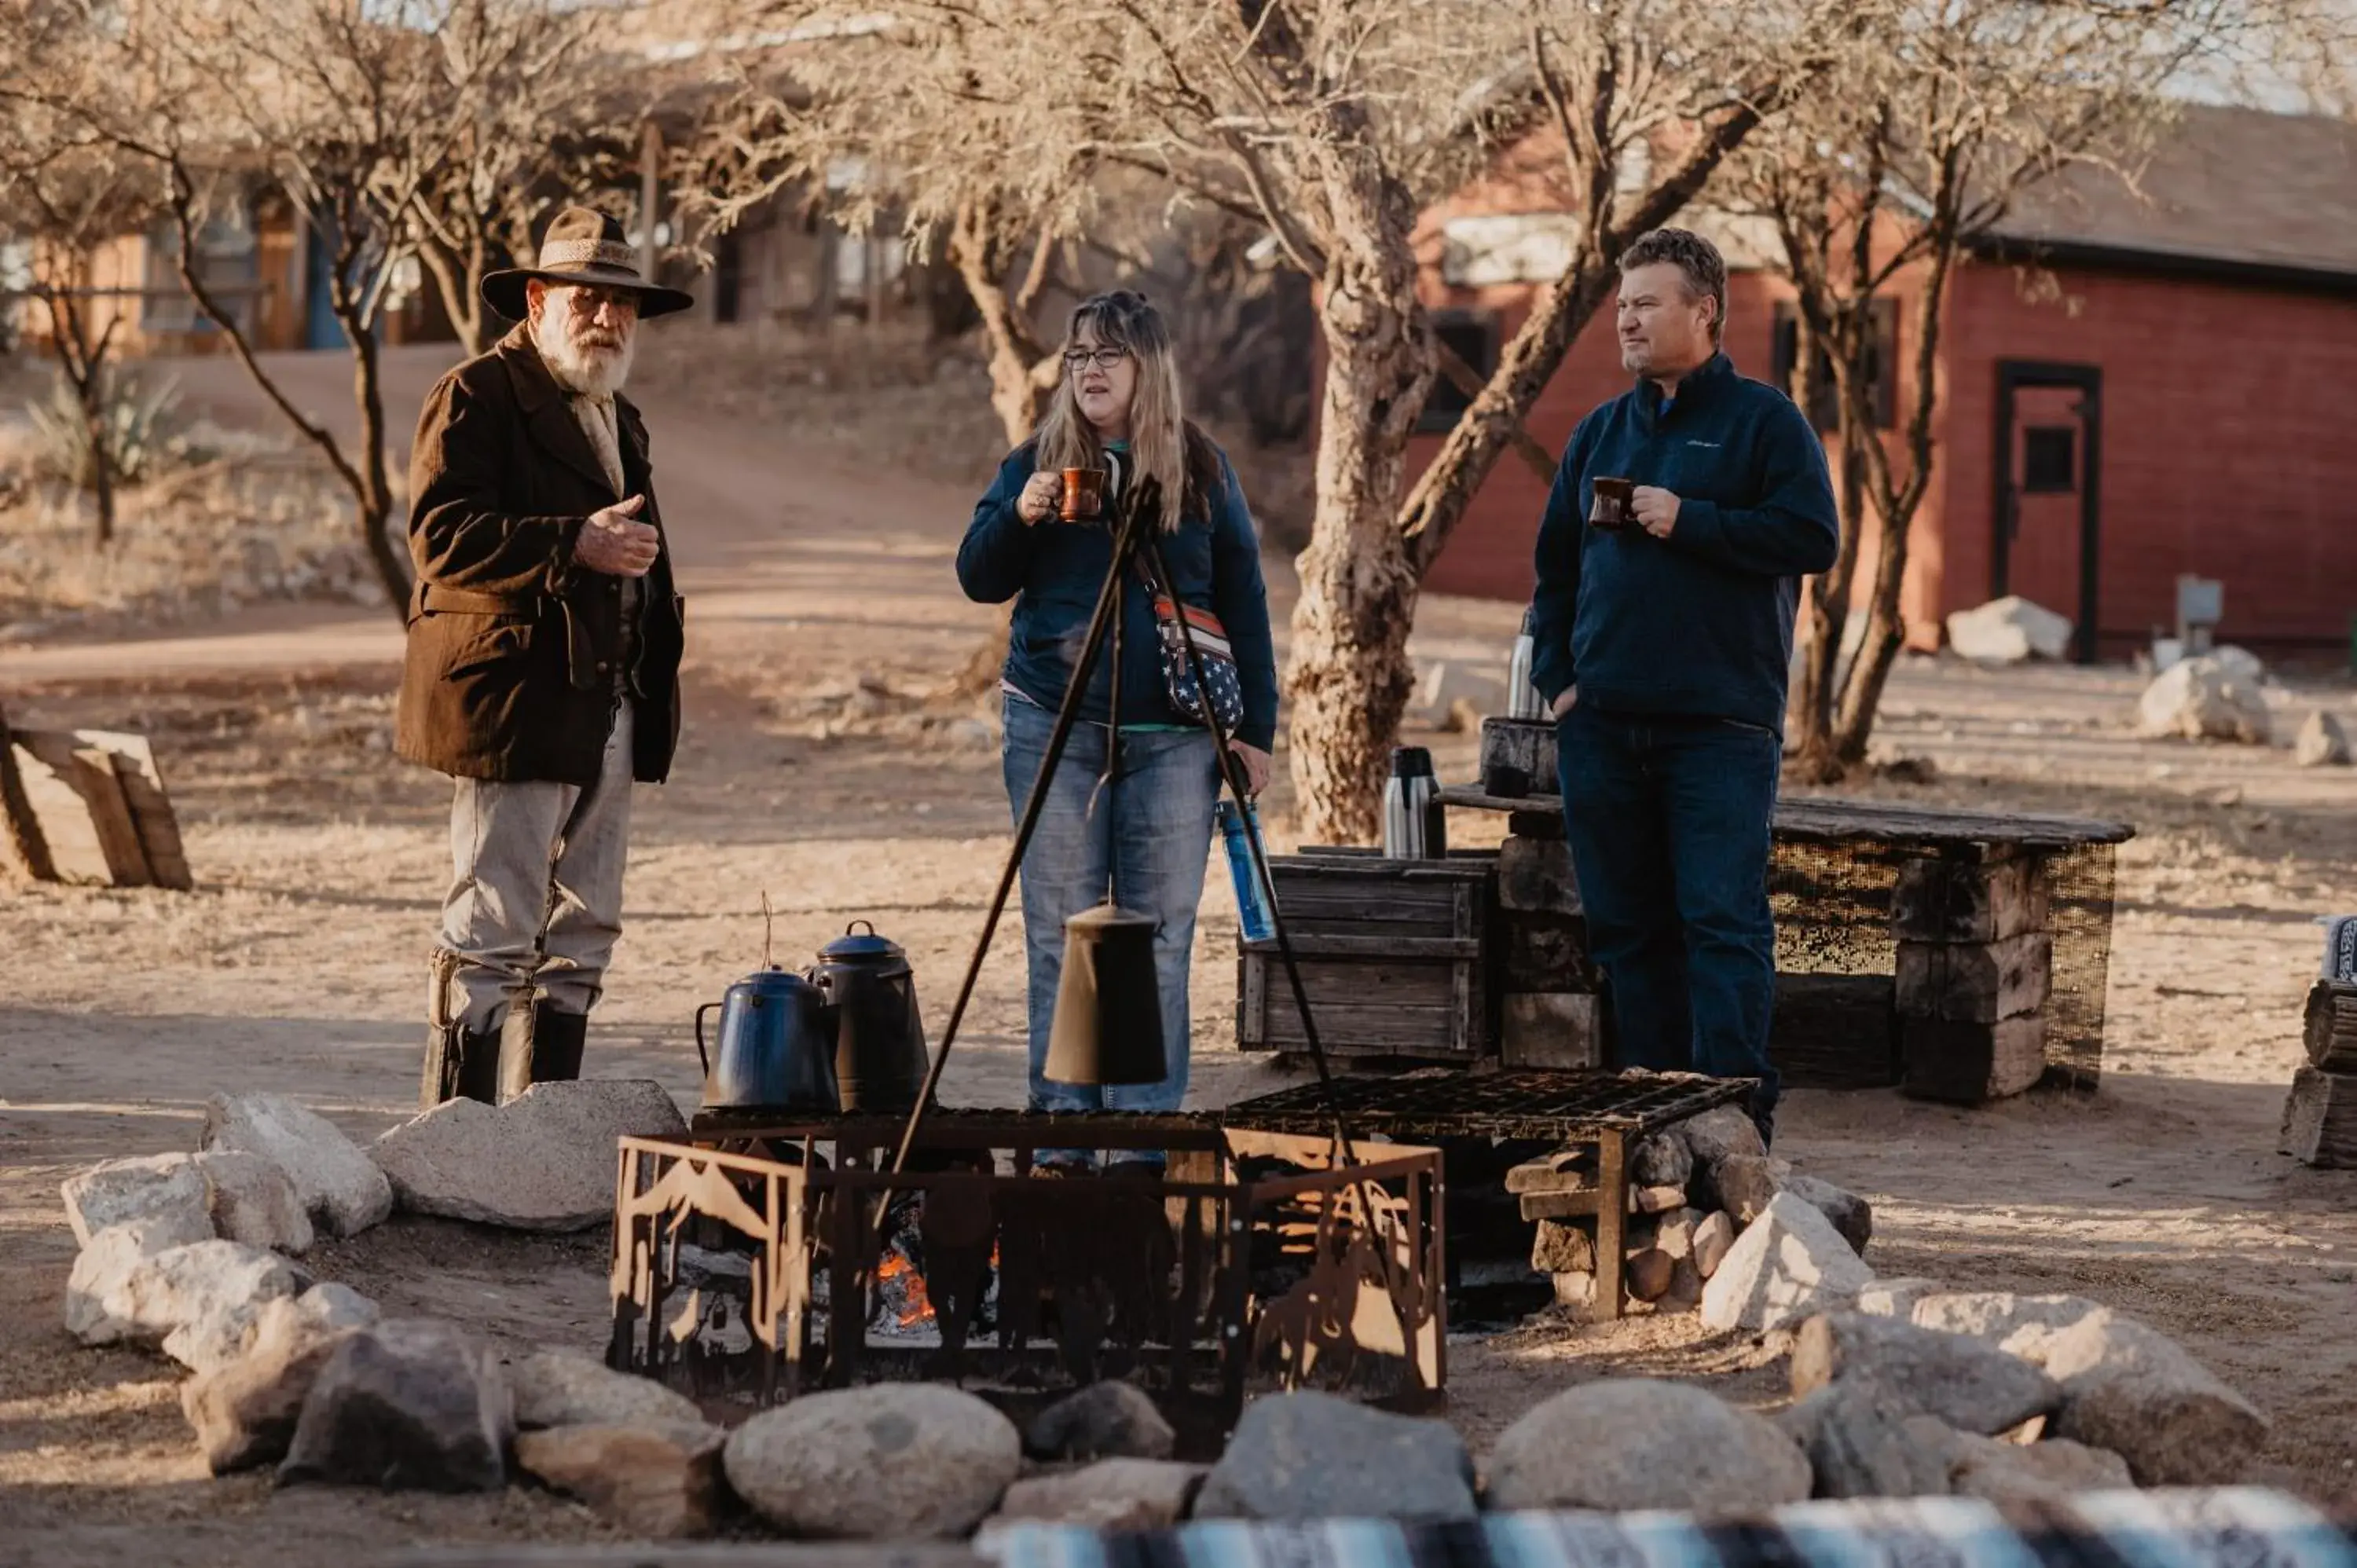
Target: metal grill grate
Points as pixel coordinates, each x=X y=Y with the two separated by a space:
x=1441 y=1103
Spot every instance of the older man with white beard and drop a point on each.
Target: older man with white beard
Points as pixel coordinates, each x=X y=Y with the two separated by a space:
x=542 y=663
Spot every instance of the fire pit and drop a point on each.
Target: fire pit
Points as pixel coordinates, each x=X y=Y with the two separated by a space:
x=748 y=1259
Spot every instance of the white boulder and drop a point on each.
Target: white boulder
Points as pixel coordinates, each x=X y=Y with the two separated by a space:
x=1789 y=1264
x=2009 y=631
x=2201 y=699
x=255 y=1202
x=340 y=1187
x=545 y=1161
x=167 y=1190
x=2322 y=742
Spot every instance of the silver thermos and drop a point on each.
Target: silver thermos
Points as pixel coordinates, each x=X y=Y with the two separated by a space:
x=1522 y=700
x=1414 y=824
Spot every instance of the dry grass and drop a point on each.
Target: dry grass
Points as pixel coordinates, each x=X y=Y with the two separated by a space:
x=264 y=523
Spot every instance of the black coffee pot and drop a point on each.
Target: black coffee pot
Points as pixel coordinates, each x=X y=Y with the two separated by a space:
x=870 y=995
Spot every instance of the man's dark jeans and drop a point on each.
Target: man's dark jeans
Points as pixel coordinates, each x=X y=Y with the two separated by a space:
x=1669 y=820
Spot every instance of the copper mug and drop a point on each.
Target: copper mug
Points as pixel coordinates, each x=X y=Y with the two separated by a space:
x=1083 y=495
x=1608 y=504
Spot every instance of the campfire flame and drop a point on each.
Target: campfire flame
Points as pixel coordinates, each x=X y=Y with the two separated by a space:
x=915 y=1307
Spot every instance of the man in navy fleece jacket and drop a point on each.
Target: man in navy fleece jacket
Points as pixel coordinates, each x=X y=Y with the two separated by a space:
x=1661 y=646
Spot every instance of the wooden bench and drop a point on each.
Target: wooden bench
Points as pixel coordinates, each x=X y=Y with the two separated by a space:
x=1960 y=954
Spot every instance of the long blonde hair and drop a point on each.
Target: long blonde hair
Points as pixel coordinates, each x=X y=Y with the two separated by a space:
x=1163 y=444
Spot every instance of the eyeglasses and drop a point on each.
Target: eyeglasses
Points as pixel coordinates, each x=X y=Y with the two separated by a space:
x=1077 y=359
x=584 y=299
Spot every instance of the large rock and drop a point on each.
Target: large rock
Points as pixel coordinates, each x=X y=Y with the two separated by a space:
x=1745 y=1184
x=1662 y=1160
x=1864 y=1439
x=1562 y=1247
x=891 y=1461
x=2023 y=1325
x=1714 y=1239
x=244 y=1413
x=411 y=1404
x=340 y=1187
x=1627 y=1442
x=1110 y=1419
x=198 y=1301
x=165 y=1191
x=1312 y=1455
x=1851 y=1214
x=2205 y=699
x=2133 y=1390
x=211 y=1293
x=1896 y=1298
x=2047 y=1472
x=2321 y=743
x=1967 y=1383
x=255 y=1202
x=1112 y=1494
x=558 y=1387
x=1718 y=1132
x=101 y=1307
x=1789 y=1264
x=660 y=1482
x=545 y=1161
x=2007 y=631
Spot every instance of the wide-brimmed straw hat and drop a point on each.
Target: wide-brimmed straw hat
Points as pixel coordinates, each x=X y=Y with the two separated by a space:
x=583 y=246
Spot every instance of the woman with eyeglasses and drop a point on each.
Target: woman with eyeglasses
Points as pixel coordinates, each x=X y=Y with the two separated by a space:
x=1147 y=838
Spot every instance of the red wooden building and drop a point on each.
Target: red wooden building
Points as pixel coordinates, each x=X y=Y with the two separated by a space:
x=2131 y=390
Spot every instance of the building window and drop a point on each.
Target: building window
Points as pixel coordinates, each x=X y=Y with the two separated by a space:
x=1882 y=365
x=227 y=262
x=2049 y=461
x=1472 y=337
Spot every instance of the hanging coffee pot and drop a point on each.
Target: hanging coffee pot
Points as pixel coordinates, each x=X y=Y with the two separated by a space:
x=1108 y=1022
x=870 y=995
x=775 y=1050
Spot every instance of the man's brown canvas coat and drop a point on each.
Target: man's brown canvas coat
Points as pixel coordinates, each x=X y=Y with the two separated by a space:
x=512 y=649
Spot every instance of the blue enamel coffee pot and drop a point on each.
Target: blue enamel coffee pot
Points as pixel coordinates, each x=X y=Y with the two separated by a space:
x=776 y=1046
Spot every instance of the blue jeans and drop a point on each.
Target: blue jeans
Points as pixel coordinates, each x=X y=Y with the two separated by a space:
x=1147 y=840
x=1669 y=824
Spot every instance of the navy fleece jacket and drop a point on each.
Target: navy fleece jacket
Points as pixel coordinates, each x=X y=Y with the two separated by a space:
x=1052 y=570
x=1699 y=623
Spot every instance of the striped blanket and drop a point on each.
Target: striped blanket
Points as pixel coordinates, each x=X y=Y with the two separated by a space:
x=2232 y=1527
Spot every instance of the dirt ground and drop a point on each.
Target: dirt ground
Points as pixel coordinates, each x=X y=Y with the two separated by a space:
x=816 y=769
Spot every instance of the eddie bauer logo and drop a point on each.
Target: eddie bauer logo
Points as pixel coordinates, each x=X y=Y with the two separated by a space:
x=1691 y=442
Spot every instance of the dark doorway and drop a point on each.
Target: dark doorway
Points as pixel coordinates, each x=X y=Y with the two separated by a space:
x=2049 y=449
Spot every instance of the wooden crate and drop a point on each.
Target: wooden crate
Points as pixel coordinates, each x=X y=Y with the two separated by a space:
x=1390 y=955
x=2330 y=1027
x=2319 y=1124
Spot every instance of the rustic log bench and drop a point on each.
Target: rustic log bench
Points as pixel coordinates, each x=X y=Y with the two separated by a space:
x=1962 y=955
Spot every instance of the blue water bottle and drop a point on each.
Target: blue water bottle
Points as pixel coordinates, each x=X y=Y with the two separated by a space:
x=1252 y=894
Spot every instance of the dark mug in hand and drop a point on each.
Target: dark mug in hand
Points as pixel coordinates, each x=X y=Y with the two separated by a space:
x=1608 y=505
x=1083 y=495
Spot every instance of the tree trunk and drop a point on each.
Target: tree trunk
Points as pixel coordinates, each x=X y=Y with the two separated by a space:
x=459 y=284
x=1817 y=757
x=375 y=494
x=1898 y=503
x=85 y=371
x=1018 y=391
x=1349 y=675
x=102 y=463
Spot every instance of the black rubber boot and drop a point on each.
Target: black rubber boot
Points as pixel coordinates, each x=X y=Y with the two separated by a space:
x=540 y=1045
x=459 y=1064
x=557 y=1039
